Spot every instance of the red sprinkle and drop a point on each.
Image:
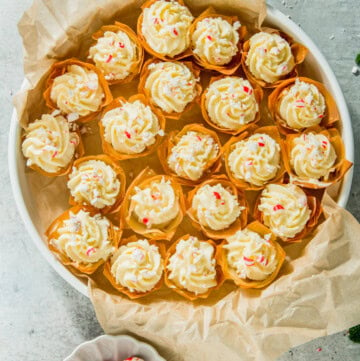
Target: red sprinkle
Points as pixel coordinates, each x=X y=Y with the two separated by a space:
x=319 y=349
x=249 y=162
x=55 y=154
x=249 y=261
x=156 y=21
x=321 y=116
x=199 y=138
x=175 y=32
x=247 y=89
x=324 y=143
x=217 y=195
x=209 y=37
x=261 y=144
x=90 y=250
x=300 y=101
x=109 y=58
x=278 y=207
x=145 y=220
x=128 y=135
x=222 y=203
x=262 y=259
x=73 y=142
x=122 y=45
x=155 y=196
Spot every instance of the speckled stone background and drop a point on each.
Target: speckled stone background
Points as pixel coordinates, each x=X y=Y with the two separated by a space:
x=41 y=317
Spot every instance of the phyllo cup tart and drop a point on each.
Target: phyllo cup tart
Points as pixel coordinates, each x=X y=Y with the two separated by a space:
x=117 y=52
x=154 y=205
x=131 y=128
x=288 y=211
x=271 y=56
x=231 y=104
x=300 y=103
x=50 y=146
x=217 y=207
x=173 y=87
x=164 y=29
x=82 y=239
x=191 y=155
x=251 y=257
x=136 y=268
x=315 y=158
x=255 y=158
x=79 y=90
x=97 y=183
x=216 y=41
x=192 y=267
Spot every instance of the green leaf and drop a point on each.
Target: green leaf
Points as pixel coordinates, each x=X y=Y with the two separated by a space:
x=354 y=332
x=357 y=59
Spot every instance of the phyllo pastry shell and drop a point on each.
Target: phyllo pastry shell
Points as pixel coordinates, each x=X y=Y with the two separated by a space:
x=271 y=56
x=79 y=90
x=192 y=267
x=96 y=182
x=136 y=268
x=50 y=145
x=117 y=52
x=290 y=212
x=217 y=207
x=131 y=128
x=154 y=205
x=251 y=257
x=173 y=87
x=255 y=158
x=230 y=104
x=164 y=29
x=315 y=158
x=191 y=155
x=300 y=103
x=82 y=239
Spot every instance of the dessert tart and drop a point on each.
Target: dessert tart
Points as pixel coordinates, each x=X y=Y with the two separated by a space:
x=300 y=103
x=231 y=104
x=192 y=267
x=82 y=239
x=217 y=207
x=98 y=183
x=164 y=29
x=191 y=155
x=117 y=52
x=173 y=87
x=271 y=56
x=254 y=158
x=50 y=146
x=79 y=90
x=154 y=205
x=251 y=257
x=136 y=268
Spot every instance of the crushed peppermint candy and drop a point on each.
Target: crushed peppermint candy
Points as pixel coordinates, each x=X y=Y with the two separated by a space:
x=217 y=195
x=109 y=58
x=278 y=207
x=90 y=250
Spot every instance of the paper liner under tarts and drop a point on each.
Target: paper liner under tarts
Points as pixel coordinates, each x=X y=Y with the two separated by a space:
x=145 y=73
x=248 y=283
x=183 y=292
x=235 y=62
x=146 y=177
x=331 y=113
x=133 y=295
x=185 y=54
x=258 y=93
x=314 y=203
x=52 y=232
x=270 y=130
x=60 y=68
x=172 y=139
x=120 y=175
x=341 y=166
x=135 y=68
x=116 y=103
x=239 y=223
x=299 y=53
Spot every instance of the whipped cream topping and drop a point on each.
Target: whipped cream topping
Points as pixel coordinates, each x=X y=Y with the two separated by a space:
x=231 y=103
x=166 y=27
x=302 y=105
x=284 y=209
x=251 y=255
x=215 y=40
x=84 y=238
x=172 y=86
x=77 y=92
x=192 y=154
x=115 y=54
x=255 y=159
x=49 y=143
x=216 y=207
x=192 y=266
x=95 y=183
x=269 y=57
x=131 y=127
x=137 y=266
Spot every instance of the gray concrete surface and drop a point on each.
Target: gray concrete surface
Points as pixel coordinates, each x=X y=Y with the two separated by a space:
x=41 y=317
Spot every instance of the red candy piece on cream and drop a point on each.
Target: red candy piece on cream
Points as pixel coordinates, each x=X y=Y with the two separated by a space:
x=278 y=207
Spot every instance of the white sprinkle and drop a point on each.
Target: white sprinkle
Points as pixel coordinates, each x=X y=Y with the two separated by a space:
x=72 y=117
x=332 y=37
x=355 y=70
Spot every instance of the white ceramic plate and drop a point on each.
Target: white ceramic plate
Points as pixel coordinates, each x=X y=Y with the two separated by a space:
x=274 y=18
